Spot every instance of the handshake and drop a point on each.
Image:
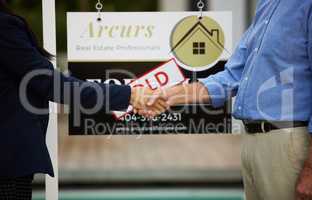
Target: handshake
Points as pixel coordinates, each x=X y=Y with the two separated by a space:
x=150 y=103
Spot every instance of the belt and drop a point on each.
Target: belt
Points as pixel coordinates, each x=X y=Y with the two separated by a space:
x=253 y=127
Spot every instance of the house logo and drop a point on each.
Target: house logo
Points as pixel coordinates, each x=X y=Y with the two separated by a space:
x=197 y=44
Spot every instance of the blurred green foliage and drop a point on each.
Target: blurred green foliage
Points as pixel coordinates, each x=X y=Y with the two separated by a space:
x=31 y=10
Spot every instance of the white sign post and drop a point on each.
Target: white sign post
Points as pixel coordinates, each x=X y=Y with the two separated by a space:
x=49 y=36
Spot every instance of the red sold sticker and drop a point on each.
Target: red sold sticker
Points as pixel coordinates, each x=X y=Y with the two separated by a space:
x=165 y=75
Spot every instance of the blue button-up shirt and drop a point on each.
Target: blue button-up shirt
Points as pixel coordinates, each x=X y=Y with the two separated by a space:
x=270 y=72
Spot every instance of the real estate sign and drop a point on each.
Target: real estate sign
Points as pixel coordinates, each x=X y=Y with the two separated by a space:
x=124 y=46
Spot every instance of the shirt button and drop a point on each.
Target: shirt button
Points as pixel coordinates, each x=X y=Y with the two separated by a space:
x=256 y=50
x=246 y=79
x=239 y=108
x=266 y=21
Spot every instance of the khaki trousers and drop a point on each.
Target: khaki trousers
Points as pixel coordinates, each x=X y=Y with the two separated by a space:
x=271 y=163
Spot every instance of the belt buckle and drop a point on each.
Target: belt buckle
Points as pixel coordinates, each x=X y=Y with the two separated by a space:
x=263 y=127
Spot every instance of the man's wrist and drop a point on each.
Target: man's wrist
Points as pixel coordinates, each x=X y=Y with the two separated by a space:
x=204 y=92
x=188 y=93
x=176 y=95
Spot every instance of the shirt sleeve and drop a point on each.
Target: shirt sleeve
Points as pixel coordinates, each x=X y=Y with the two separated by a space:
x=225 y=84
x=20 y=58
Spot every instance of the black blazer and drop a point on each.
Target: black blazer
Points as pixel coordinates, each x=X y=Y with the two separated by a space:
x=23 y=148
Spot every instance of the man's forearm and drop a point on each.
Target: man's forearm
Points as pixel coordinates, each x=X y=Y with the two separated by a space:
x=188 y=93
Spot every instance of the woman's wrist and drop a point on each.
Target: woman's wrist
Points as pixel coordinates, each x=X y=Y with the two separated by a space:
x=132 y=96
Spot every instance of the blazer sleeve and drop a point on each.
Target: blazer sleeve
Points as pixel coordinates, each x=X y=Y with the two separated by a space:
x=21 y=60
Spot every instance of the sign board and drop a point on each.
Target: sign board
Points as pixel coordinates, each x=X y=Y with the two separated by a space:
x=124 y=46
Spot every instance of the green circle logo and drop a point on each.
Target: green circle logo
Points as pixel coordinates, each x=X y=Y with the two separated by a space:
x=197 y=44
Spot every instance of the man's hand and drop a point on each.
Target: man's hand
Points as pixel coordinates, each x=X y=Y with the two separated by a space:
x=179 y=94
x=185 y=94
x=141 y=99
x=304 y=186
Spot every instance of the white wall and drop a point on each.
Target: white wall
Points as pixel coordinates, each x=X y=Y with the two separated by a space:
x=240 y=16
